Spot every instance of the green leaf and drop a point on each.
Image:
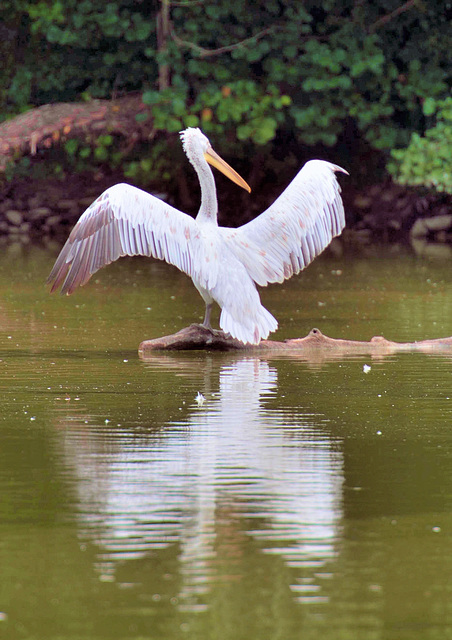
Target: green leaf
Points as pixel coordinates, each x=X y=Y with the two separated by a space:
x=100 y=153
x=84 y=152
x=71 y=146
x=142 y=117
x=105 y=140
x=191 y=121
x=429 y=106
x=151 y=97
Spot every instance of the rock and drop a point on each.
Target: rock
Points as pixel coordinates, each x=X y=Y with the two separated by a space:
x=421 y=205
x=388 y=196
x=53 y=221
x=402 y=202
x=362 y=202
x=25 y=228
x=14 y=217
x=432 y=249
x=362 y=236
x=375 y=191
x=441 y=236
x=370 y=221
x=424 y=226
x=419 y=229
x=39 y=212
x=6 y=204
x=85 y=202
x=35 y=201
x=438 y=223
x=67 y=205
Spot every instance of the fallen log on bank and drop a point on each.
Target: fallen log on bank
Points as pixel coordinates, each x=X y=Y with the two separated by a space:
x=315 y=343
x=49 y=125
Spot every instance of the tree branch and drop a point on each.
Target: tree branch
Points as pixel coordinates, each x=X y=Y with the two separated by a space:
x=389 y=16
x=206 y=53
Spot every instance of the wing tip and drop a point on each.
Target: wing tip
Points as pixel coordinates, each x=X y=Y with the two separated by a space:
x=55 y=283
x=316 y=165
x=336 y=168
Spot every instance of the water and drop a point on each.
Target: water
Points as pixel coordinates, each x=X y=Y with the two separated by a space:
x=301 y=500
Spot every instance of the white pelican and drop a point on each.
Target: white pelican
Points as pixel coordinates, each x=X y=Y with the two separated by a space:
x=225 y=264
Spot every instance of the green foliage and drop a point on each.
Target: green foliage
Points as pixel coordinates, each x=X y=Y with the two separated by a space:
x=19 y=168
x=427 y=160
x=26 y=168
x=156 y=162
x=241 y=105
x=240 y=69
x=95 y=151
x=58 y=50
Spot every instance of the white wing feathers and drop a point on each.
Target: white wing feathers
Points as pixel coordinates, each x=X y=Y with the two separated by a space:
x=224 y=263
x=286 y=237
x=123 y=221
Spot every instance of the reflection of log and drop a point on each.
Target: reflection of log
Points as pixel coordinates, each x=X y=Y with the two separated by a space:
x=198 y=337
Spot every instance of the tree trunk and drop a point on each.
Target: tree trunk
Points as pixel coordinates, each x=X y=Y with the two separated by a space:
x=163 y=34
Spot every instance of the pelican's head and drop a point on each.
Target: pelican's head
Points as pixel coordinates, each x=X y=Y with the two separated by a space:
x=194 y=142
x=196 y=146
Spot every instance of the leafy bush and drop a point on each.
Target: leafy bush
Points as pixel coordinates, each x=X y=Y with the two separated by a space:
x=241 y=69
x=427 y=160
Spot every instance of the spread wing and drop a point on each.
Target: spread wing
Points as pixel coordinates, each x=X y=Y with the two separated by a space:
x=286 y=237
x=123 y=221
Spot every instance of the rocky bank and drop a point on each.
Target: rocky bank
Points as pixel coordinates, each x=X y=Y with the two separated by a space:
x=47 y=209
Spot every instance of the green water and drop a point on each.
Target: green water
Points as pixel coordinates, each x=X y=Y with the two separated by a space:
x=302 y=500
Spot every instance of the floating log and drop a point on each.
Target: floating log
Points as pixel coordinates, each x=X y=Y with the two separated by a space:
x=315 y=343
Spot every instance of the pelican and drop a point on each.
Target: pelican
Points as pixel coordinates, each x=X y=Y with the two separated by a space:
x=225 y=264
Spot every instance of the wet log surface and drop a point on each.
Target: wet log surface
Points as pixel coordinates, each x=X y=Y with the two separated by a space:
x=315 y=343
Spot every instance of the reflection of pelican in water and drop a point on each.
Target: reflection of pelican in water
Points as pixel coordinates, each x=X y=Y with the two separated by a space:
x=231 y=456
x=224 y=264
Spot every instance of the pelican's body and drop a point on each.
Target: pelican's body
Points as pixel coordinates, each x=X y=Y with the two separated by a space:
x=224 y=264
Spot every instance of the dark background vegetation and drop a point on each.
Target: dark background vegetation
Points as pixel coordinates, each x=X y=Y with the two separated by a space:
x=365 y=83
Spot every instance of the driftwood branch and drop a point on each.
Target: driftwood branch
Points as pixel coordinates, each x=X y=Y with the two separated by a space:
x=313 y=345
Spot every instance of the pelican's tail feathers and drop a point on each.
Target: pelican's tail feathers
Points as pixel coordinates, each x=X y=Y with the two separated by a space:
x=247 y=329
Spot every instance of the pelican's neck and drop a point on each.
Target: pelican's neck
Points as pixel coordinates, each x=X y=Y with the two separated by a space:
x=209 y=206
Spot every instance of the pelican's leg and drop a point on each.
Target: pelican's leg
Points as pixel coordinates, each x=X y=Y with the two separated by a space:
x=209 y=304
x=206 y=321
